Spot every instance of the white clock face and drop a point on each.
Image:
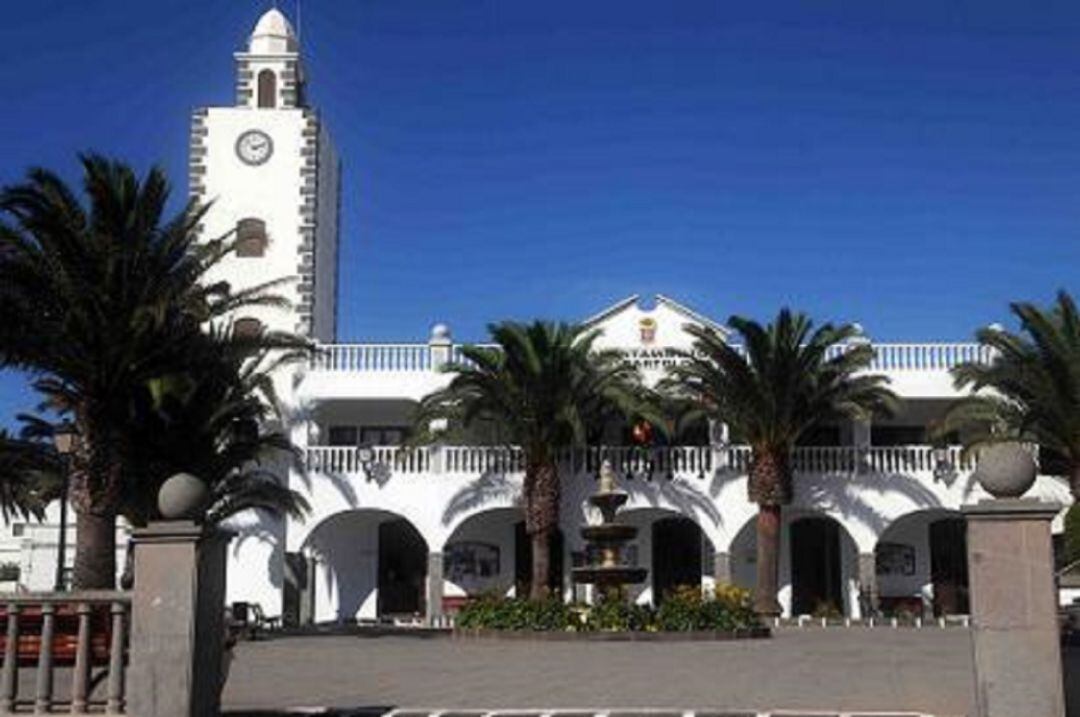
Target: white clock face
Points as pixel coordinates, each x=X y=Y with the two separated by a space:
x=254 y=147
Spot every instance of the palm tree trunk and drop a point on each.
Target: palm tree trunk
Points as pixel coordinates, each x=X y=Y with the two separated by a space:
x=769 y=486
x=95 y=486
x=95 y=551
x=768 y=561
x=541 y=565
x=541 y=520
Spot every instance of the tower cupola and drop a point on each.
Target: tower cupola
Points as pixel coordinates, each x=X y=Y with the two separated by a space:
x=270 y=74
x=273 y=34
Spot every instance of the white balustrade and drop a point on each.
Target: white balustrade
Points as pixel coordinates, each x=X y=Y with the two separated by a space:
x=483 y=459
x=927 y=357
x=372 y=357
x=633 y=462
x=356 y=358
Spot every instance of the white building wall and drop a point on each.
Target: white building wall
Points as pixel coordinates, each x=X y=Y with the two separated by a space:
x=34 y=547
x=269 y=191
x=326 y=238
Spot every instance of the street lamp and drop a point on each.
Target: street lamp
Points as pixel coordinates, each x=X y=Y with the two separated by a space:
x=65 y=440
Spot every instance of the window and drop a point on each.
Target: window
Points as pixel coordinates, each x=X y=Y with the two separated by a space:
x=821 y=436
x=18 y=530
x=247 y=328
x=267 y=89
x=897 y=435
x=342 y=436
x=250 y=237
x=381 y=436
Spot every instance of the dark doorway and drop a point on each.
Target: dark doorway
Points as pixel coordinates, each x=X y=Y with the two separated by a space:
x=948 y=566
x=523 y=562
x=815 y=567
x=402 y=569
x=676 y=555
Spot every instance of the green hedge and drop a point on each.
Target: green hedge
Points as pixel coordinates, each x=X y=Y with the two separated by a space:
x=687 y=609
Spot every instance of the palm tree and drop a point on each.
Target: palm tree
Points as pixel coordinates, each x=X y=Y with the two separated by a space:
x=1030 y=389
x=543 y=386
x=99 y=298
x=785 y=380
x=220 y=421
x=29 y=476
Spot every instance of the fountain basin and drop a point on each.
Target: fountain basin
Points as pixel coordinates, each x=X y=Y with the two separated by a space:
x=609 y=501
x=609 y=533
x=609 y=575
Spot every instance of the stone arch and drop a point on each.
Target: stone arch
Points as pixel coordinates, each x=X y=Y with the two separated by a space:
x=365 y=564
x=921 y=563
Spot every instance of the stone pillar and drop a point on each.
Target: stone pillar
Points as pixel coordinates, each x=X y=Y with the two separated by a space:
x=307 y=597
x=1014 y=609
x=440 y=345
x=722 y=568
x=868 y=588
x=434 y=588
x=178 y=620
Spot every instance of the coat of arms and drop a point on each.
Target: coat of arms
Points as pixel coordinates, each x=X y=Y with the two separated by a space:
x=648 y=330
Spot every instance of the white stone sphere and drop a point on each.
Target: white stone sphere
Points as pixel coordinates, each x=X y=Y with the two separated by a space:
x=1006 y=470
x=440 y=332
x=182 y=496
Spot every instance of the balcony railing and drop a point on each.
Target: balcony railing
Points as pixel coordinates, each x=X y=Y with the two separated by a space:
x=359 y=358
x=80 y=631
x=698 y=461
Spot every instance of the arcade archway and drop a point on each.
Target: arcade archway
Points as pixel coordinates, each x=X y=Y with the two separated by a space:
x=479 y=557
x=673 y=548
x=818 y=564
x=921 y=564
x=366 y=565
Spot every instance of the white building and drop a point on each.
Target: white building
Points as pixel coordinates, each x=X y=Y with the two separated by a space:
x=396 y=532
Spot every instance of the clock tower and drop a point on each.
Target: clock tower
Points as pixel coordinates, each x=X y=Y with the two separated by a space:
x=270 y=171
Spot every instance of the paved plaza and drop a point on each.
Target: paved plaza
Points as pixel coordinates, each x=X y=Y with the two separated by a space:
x=837 y=670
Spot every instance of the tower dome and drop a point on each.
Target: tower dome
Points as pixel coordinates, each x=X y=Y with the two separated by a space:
x=273 y=34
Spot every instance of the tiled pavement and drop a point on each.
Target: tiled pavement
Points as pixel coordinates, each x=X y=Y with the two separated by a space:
x=809 y=673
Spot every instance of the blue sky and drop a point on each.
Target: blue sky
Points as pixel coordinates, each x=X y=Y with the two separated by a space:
x=912 y=166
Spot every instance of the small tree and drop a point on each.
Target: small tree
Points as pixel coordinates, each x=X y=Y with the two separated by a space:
x=781 y=383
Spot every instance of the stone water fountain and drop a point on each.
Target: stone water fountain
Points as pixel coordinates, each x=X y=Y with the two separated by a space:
x=608 y=538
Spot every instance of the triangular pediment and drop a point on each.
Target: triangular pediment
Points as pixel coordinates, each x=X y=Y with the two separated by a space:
x=649 y=337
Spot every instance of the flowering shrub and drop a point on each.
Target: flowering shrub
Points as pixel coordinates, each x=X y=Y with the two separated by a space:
x=687 y=608
x=728 y=608
x=495 y=613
